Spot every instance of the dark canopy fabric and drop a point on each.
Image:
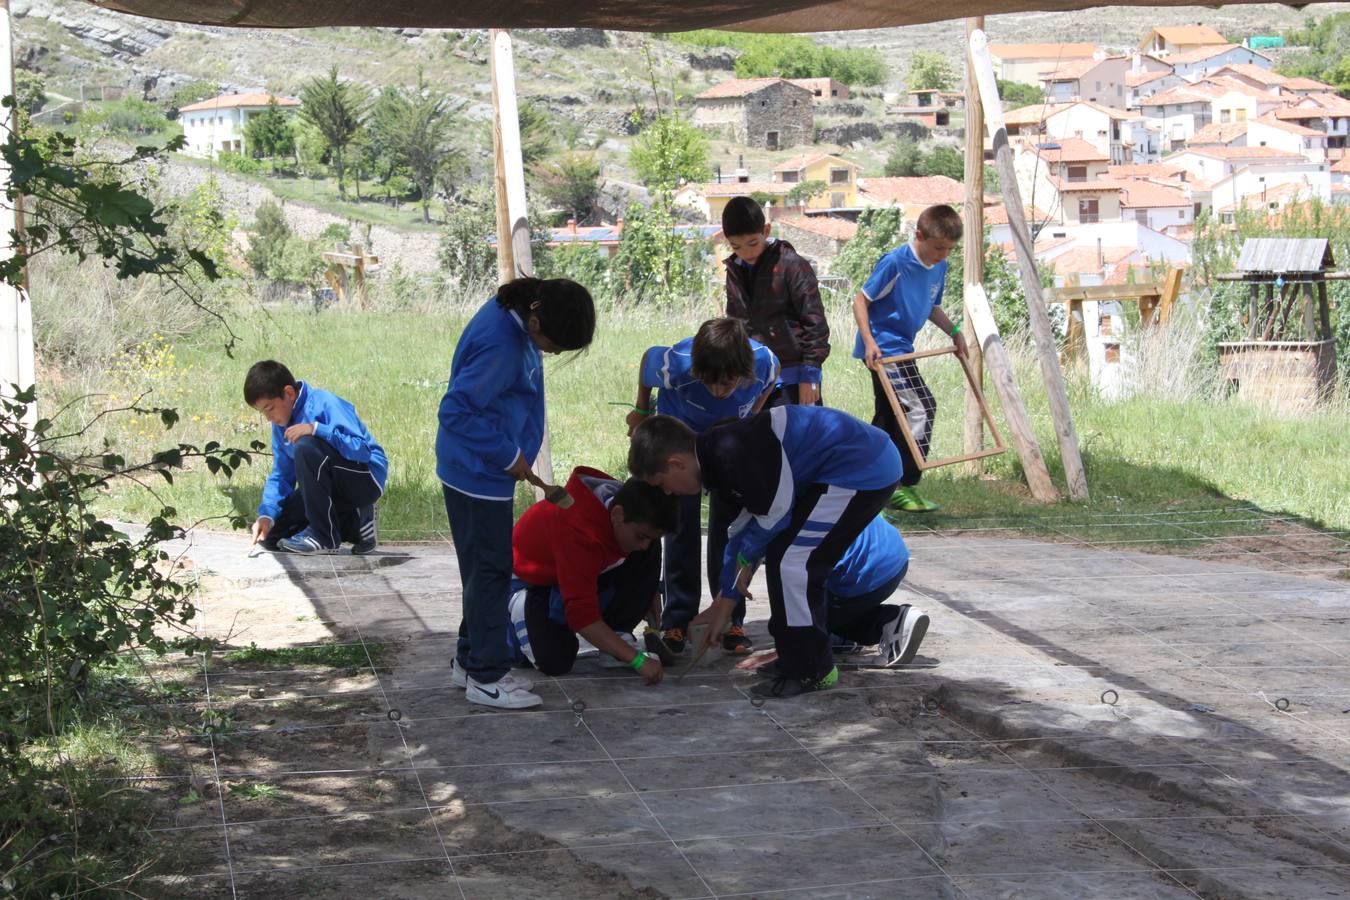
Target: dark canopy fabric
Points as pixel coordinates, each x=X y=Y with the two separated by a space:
x=621 y=15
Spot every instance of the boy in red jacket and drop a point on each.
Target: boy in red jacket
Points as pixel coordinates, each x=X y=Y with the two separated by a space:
x=593 y=569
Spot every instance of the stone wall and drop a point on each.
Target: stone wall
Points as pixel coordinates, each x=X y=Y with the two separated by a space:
x=818 y=248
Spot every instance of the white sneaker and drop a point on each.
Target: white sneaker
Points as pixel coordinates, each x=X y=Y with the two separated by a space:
x=506 y=692
x=900 y=637
x=613 y=662
x=460 y=678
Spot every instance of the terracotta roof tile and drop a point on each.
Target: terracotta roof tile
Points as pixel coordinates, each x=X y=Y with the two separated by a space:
x=1084 y=260
x=925 y=190
x=1138 y=193
x=1135 y=79
x=1189 y=34
x=1254 y=72
x=1275 y=121
x=234 y=101
x=998 y=214
x=740 y=87
x=1244 y=153
x=1200 y=54
x=1069 y=149
x=826 y=226
x=1218 y=133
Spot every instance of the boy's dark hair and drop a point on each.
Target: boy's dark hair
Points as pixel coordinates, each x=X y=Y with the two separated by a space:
x=654 y=442
x=649 y=505
x=940 y=221
x=722 y=351
x=564 y=308
x=742 y=216
x=267 y=379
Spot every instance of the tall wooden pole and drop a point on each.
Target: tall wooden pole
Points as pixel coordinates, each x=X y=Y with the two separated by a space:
x=973 y=246
x=1026 y=266
x=514 y=258
x=17 y=359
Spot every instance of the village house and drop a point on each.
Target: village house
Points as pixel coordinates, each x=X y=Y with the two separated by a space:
x=1100 y=79
x=1028 y=62
x=1149 y=78
x=1196 y=64
x=1167 y=40
x=1328 y=114
x=1289 y=135
x=1162 y=207
x=1042 y=167
x=1211 y=164
x=1107 y=129
x=836 y=176
x=765 y=113
x=217 y=125
x=1085 y=202
x=824 y=90
x=1176 y=114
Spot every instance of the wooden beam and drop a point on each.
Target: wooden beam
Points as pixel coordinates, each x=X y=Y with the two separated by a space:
x=973 y=249
x=1074 y=473
x=1170 y=292
x=1072 y=293
x=514 y=258
x=17 y=356
x=985 y=331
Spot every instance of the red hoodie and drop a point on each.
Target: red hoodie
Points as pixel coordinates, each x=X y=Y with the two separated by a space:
x=570 y=547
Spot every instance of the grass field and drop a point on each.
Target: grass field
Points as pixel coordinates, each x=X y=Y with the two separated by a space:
x=1147 y=454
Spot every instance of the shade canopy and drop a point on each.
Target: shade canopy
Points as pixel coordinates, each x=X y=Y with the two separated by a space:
x=619 y=15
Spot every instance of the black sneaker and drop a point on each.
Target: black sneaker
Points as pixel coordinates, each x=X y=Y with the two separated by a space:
x=367 y=542
x=783 y=687
x=769 y=670
x=736 y=643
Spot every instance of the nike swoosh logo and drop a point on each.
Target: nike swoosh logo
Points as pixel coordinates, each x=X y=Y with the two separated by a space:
x=494 y=694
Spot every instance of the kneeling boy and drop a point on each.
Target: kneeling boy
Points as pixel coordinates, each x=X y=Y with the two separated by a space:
x=593 y=569
x=807 y=480
x=327 y=470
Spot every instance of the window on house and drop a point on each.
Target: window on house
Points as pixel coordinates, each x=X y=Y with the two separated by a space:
x=1077 y=173
x=834 y=92
x=817 y=92
x=836 y=200
x=1226 y=218
x=764 y=104
x=1141 y=216
x=1241 y=115
x=1225 y=116
x=792 y=177
x=839 y=176
x=794 y=102
x=1087 y=210
x=1181 y=215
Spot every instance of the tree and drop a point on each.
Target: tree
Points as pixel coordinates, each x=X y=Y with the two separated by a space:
x=30 y=90
x=1016 y=94
x=270 y=233
x=806 y=191
x=416 y=128
x=192 y=92
x=930 y=71
x=944 y=161
x=338 y=110
x=670 y=150
x=904 y=160
x=536 y=133
x=572 y=183
x=268 y=134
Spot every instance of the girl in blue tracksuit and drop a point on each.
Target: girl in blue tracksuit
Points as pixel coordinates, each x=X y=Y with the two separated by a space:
x=491 y=426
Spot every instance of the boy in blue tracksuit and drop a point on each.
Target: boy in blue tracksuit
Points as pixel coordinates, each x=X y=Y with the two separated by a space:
x=718 y=374
x=903 y=292
x=863 y=580
x=327 y=470
x=806 y=482
x=491 y=425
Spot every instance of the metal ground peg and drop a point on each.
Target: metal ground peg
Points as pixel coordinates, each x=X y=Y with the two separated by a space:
x=930 y=706
x=1282 y=704
x=1110 y=697
x=578 y=707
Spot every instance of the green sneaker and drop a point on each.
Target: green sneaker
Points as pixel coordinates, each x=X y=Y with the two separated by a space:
x=782 y=687
x=906 y=498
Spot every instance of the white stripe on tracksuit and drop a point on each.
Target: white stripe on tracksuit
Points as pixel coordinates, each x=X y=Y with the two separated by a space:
x=792 y=569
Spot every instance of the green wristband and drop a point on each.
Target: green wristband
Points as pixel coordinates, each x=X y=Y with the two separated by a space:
x=742 y=561
x=956 y=329
x=638 y=661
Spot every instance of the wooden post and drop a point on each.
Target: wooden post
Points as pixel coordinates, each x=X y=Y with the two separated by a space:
x=1026 y=265
x=1005 y=383
x=17 y=358
x=973 y=248
x=514 y=258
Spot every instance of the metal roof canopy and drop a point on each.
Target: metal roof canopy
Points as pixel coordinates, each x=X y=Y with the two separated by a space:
x=1285 y=256
x=619 y=15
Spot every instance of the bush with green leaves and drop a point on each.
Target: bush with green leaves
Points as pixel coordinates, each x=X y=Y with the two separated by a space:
x=238 y=163
x=669 y=150
x=792 y=56
x=130 y=117
x=930 y=70
x=278 y=253
x=1017 y=94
